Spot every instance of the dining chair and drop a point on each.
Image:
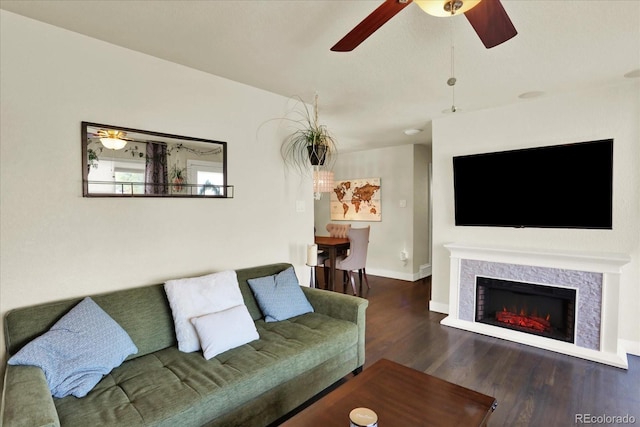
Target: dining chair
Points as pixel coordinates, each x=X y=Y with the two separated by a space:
x=335 y=230
x=355 y=261
x=338 y=230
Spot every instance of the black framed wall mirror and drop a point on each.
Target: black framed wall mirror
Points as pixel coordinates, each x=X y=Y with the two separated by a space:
x=124 y=162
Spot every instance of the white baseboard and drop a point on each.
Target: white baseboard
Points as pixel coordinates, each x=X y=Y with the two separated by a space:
x=439 y=307
x=409 y=277
x=425 y=271
x=630 y=347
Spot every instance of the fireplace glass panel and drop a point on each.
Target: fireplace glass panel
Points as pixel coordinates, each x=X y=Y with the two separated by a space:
x=547 y=311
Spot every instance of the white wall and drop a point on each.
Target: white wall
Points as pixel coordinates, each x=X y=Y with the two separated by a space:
x=607 y=112
x=403 y=173
x=56 y=244
x=421 y=220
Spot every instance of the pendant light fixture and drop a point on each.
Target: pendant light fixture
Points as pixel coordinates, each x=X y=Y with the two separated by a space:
x=323 y=182
x=444 y=8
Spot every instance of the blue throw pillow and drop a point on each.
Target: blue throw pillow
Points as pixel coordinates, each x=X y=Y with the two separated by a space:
x=279 y=296
x=85 y=344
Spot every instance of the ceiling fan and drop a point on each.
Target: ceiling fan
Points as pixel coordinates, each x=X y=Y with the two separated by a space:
x=487 y=17
x=112 y=139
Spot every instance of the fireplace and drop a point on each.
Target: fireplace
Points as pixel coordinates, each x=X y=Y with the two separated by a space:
x=580 y=319
x=548 y=311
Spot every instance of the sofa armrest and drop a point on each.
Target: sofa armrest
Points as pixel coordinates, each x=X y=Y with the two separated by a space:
x=341 y=306
x=26 y=398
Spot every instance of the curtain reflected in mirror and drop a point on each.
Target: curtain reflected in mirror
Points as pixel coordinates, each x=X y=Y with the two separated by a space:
x=155 y=174
x=128 y=162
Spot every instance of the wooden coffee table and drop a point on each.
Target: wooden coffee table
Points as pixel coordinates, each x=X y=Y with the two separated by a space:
x=402 y=397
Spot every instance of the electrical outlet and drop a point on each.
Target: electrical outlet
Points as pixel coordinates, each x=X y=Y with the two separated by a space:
x=404 y=256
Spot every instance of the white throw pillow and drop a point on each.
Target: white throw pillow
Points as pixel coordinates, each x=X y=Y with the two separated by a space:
x=197 y=296
x=225 y=330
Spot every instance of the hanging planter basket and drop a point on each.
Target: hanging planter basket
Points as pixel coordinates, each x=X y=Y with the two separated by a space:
x=317 y=154
x=310 y=143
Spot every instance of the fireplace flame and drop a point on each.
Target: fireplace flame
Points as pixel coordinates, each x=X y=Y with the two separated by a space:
x=523 y=320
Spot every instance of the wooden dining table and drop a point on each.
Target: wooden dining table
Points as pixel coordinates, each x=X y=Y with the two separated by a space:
x=332 y=245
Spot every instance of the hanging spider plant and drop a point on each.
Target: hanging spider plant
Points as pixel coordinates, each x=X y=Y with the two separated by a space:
x=310 y=143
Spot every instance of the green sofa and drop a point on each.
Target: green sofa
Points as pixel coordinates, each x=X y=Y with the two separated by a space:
x=252 y=385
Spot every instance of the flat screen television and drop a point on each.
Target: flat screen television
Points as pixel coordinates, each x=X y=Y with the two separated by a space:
x=561 y=186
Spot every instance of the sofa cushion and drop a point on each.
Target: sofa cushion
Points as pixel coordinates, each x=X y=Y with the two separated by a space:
x=171 y=387
x=85 y=344
x=224 y=330
x=197 y=296
x=279 y=296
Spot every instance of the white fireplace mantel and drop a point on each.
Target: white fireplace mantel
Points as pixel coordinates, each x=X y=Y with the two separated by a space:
x=608 y=264
x=583 y=261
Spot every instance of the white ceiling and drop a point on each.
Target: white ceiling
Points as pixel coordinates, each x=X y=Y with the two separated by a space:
x=393 y=81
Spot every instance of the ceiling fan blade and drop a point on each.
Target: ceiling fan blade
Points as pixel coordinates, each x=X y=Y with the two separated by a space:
x=491 y=22
x=370 y=24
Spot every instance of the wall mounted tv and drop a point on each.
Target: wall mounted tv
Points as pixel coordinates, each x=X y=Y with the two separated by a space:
x=561 y=186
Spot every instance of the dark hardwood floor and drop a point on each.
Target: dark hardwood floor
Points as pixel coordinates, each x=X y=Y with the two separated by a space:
x=534 y=387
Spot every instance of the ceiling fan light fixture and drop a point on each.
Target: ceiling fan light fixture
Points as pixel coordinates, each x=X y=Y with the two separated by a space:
x=112 y=139
x=444 y=8
x=113 y=143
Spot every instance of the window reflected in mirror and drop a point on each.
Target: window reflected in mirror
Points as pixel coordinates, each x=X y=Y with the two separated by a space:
x=127 y=162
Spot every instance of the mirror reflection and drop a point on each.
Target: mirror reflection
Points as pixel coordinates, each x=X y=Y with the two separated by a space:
x=130 y=162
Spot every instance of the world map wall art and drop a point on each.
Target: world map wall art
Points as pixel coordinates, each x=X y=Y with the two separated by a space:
x=356 y=200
